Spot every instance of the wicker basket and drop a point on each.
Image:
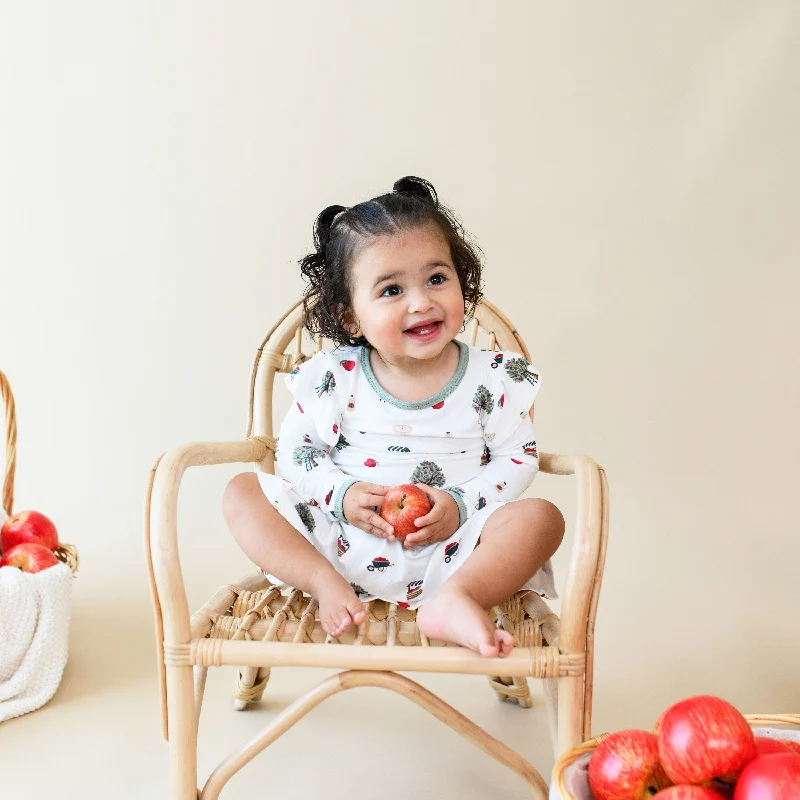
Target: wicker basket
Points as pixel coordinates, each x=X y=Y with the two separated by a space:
x=67 y=553
x=571 y=756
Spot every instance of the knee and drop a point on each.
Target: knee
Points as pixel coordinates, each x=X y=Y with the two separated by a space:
x=238 y=492
x=549 y=520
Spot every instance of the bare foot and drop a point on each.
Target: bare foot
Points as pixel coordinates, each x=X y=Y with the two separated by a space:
x=339 y=608
x=453 y=616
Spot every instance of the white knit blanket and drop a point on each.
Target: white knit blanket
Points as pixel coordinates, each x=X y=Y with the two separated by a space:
x=34 y=636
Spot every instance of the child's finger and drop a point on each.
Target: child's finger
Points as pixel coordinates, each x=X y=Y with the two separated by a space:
x=374 y=488
x=422 y=536
x=375 y=523
x=434 y=515
x=371 y=500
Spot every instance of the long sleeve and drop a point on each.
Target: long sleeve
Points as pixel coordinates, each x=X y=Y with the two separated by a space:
x=511 y=458
x=310 y=432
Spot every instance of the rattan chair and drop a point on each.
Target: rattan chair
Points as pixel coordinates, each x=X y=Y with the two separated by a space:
x=254 y=626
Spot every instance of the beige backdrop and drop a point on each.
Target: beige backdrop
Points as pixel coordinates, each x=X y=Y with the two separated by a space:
x=631 y=172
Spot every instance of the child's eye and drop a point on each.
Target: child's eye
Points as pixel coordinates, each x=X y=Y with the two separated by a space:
x=438 y=279
x=391 y=291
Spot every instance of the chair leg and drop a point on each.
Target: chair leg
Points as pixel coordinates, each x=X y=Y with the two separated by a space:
x=551 y=704
x=514 y=690
x=570 y=713
x=200 y=675
x=182 y=734
x=250 y=685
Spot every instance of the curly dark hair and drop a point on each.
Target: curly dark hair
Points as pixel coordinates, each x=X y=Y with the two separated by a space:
x=339 y=232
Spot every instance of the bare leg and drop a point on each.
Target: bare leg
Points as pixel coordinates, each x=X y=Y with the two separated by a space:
x=273 y=545
x=516 y=540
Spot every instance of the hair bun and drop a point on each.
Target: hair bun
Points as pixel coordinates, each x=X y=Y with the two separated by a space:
x=417 y=187
x=322 y=226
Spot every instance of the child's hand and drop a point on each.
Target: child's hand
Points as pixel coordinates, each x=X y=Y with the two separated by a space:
x=359 y=504
x=440 y=523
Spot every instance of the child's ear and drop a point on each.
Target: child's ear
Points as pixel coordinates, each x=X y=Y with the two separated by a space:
x=349 y=320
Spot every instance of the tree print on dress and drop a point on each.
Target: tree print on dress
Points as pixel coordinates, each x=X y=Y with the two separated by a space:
x=306 y=456
x=483 y=400
x=530 y=449
x=517 y=369
x=341 y=444
x=306 y=517
x=428 y=472
x=327 y=386
x=357 y=589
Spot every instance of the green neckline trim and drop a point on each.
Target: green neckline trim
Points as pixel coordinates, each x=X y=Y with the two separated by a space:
x=417 y=405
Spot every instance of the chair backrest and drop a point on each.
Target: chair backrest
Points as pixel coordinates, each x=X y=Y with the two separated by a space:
x=287 y=345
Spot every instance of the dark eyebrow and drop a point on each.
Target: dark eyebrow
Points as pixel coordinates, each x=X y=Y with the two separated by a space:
x=429 y=265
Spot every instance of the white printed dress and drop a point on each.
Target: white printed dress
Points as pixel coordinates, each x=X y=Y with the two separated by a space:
x=474 y=440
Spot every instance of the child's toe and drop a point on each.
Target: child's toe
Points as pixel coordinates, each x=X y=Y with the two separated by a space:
x=357 y=612
x=504 y=641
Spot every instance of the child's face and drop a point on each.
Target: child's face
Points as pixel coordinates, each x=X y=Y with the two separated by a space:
x=407 y=298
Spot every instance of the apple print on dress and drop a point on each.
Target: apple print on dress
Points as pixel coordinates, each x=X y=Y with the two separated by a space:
x=342 y=545
x=450 y=550
x=328 y=497
x=502 y=401
x=413 y=590
x=348 y=365
x=440 y=404
x=335 y=428
x=403 y=604
x=379 y=563
x=515 y=461
x=300 y=407
x=370 y=462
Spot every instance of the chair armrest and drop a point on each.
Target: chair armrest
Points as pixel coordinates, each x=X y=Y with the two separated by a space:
x=162 y=518
x=588 y=550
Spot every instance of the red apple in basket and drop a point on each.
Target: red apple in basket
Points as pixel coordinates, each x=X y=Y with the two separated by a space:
x=28 y=527
x=766 y=746
x=702 y=738
x=685 y=792
x=29 y=557
x=402 y=505
x=625 y=767
x=773 y=777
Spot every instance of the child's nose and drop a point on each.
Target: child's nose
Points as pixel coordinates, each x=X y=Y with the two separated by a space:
x=419 y=301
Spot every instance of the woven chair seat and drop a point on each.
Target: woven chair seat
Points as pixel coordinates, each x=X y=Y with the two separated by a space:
x=269 y=613
x=257 y=610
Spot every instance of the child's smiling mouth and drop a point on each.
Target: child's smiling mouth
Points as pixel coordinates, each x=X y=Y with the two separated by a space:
x=426 y=331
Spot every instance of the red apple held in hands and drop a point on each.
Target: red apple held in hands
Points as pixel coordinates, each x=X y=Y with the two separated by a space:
x=625 y=767
x=702 y=738
x=773 y=777
x=684 y=792
x=402 y=505
x=28 y=527
x=29 y=557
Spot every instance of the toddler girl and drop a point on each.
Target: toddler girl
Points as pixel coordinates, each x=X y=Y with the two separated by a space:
x=399 y=400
